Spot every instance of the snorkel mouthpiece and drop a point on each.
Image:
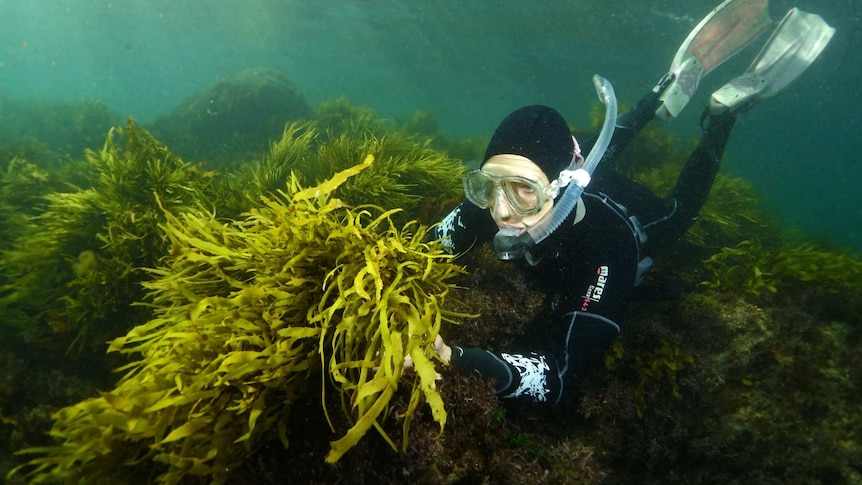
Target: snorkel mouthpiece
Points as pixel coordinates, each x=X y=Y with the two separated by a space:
x=510 y=243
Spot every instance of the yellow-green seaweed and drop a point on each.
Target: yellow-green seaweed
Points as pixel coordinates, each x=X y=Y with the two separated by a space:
x=247 y=311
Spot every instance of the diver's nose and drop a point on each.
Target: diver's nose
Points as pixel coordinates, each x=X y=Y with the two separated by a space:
x=500 y=209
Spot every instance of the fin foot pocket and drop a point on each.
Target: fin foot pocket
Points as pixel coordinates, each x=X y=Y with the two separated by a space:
x=798 y=40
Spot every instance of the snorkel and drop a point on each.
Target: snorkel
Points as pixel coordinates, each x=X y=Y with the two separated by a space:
x=513 y=243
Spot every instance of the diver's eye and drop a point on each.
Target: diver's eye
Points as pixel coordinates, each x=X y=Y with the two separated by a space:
x=523 y=190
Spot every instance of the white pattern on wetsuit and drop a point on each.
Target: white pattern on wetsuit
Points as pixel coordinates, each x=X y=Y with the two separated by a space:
x=447 y=227
x=533 y=382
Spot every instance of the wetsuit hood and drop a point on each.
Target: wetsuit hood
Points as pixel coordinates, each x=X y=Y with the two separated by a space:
x=538 y=133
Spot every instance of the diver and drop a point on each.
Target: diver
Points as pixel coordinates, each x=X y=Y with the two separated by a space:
x=585 y=236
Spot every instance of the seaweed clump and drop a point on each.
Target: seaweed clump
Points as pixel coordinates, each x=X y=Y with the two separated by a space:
x=407 y=174
x=72 y=269
x=246 y=313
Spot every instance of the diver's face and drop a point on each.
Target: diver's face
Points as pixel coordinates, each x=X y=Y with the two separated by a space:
x=501 y=209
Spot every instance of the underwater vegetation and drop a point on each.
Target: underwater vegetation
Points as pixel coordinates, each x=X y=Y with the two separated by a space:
x=77 y=269
x=82 y=233
x=73 y=268
x=763 y=394
x=658 y=367
x=23 y=184
x=424 y=124
x=247 y=314
x=757 y=269
x=406 y=174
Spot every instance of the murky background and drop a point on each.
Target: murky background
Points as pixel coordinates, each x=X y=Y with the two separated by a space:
x=469 y=62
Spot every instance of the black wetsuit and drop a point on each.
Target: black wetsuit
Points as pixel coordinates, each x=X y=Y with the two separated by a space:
x=589 y=268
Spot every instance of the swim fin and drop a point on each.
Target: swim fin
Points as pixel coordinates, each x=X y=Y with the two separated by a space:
x=721 y=34
x=798 y=40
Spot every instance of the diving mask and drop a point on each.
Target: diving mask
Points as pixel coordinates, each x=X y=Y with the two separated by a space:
x=525 y=196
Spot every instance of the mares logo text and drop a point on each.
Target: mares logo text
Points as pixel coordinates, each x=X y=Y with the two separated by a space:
x=594 y=292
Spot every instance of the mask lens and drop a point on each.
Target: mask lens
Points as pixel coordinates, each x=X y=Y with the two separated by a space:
x=523 y=195
x=479 y=188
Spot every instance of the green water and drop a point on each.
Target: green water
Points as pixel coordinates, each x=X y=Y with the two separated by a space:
x=469 y=62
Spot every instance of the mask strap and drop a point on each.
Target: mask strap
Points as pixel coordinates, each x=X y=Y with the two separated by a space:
x=578 y=156
x=566 y=176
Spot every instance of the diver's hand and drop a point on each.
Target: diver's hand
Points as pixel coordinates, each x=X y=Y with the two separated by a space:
x=439 y=346
x=443 y=350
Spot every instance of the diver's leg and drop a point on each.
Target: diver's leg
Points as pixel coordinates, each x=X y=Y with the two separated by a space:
x=795 y=44
x=694 y=182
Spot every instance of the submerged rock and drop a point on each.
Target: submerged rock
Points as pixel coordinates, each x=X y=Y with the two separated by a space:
x=233 y=119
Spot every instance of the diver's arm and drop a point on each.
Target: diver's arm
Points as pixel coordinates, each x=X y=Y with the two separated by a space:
x=530 y=377
x=538 y=377
x=463 y=226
